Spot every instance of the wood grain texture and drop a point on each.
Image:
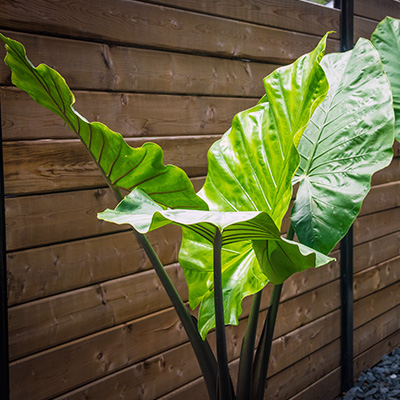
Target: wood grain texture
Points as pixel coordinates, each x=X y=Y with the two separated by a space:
x=74 y=314
x=388 y=174
x=377 y=9
x=372 y=356
x=283 y=14
x=45 y=271
x=304 y=371
x=133 y=115
x=309 y=368
x=376 y=225
x=329 y=385
x=364 y=27
x=157 y=27
x=59 y=165
x=381 y=197
x=64 y=317
x=111 y=67
x=41 y=220
x=58 y=217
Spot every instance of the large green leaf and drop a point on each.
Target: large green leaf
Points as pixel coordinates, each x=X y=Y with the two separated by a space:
x=140 y=211
x=282 y=258
x=124 y=167
x=349 y=138
x=251 y=169
x=252 y=166
x=386 y=40
x=238 y=230
x=243 y=273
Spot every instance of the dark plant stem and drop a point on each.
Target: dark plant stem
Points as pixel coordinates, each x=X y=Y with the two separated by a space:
x=263 y=353
x=224 y=379
x=202 y=349
x=245 y=375
x=264 y=348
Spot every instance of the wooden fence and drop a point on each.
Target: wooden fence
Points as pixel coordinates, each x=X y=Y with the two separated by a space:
x=88 y=318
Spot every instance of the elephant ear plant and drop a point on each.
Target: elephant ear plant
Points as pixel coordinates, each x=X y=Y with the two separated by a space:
x=325 y=123
x=386 y=39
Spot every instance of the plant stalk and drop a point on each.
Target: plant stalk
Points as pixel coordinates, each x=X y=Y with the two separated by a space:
x=202 y=349
x=224 y=379
x=264 y=348
x=245 y=375
x=263 y=353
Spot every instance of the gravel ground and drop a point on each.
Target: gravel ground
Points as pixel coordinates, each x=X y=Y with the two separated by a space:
x=379 y=382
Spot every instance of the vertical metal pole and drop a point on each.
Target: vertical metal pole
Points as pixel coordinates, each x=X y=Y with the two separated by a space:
x=347 y=25
x=346 y=245
x=346 y=293
x=4 y=371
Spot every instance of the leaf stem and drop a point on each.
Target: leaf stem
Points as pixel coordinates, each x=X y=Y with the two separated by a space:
x=245 y=375
x=264 y=348
x=263 y=353
x=202 y=349
x=224 y=379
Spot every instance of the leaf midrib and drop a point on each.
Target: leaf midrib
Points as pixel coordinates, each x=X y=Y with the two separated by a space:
x=316 y=144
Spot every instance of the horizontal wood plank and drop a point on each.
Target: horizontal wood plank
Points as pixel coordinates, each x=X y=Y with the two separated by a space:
x=45 y=271
x=133 y=115
x=388 y=174
x=363 y=28
x=65 y=164
x=377 y=9
x=377 y=277
x=373 y=355
x=64 y=317
x=41 y=220
x=290 y=15
x=61 y=165
x=57 y=217
x=78 y=313
x=156 y=26
x=376 y=225
x=381 y=197
x=329 y=385
x=110 y=67
x=327 y=358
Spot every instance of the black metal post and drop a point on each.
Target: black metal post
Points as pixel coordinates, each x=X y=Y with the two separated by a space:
x=347 y=25
x=346 y=293
x=4 y=371
x=346 y=245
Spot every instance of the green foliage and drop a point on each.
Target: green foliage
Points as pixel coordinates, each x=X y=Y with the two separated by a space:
x=280 y=257
x=251 y=169
x=386 y=39
x=252 y=166
x=328 y=142
x=350 y=137
x=124 y=167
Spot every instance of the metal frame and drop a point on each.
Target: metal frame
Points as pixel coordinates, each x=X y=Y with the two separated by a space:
x=346 y=245
x=4 y=366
